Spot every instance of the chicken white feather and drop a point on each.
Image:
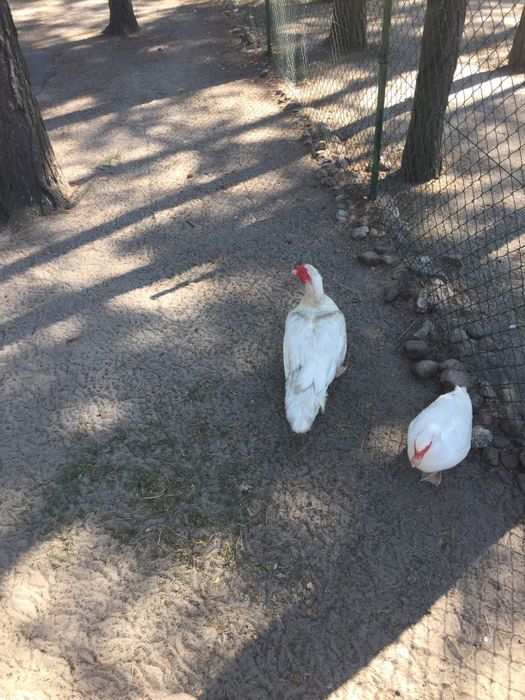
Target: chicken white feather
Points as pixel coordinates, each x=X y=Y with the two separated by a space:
x=439 y=437
x=314 y=349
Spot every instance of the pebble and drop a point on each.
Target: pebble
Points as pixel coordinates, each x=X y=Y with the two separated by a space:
x=416 y=349
x=370 y=258
x=360 y=232
x=490 y=455
x=340 y=198
x=379 y=232
x=425 y=369
x=486 y=391
x=457 y=335
x=320 y=146
x=424 y=330
x=520 y=478
x=391 y=293
x=422 y=304
x=475 y=330
x=390 y=260
x=450 y=378
x=452 y=364
x=500 y=441
x=483 y=418
x=487 y=344
x=481 y=437
x=513 y=426
x=454 y=260
x=263 y=73
x=381 y=248
x=509 y=460
x=342 y=215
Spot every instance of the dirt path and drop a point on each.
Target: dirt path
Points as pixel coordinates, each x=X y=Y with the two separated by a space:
x=161 y=532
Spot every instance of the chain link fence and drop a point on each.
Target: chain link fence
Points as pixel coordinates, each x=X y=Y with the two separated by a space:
x=462 y=228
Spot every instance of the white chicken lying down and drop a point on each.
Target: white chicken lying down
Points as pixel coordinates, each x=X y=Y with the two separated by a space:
x=440 y=436
x=314 y=350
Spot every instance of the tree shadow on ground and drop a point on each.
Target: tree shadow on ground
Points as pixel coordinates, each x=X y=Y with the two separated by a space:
x=193 y=543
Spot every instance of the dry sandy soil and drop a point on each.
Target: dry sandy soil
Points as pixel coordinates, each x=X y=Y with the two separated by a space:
x=161 y=531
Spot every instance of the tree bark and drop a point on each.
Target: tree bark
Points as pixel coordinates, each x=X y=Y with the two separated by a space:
x=517 y=52
x=122 y=19
x=443 y=27
x=29 y=173
x=348 y=29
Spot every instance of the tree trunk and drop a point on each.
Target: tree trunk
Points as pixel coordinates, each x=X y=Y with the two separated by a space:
x=348 y=30
x=517 y=52
x=444 y=21
x=29 y=173
x=122 y=19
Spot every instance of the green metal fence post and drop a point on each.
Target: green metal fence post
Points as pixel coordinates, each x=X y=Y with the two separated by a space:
x=381 y=90
x=268 y=21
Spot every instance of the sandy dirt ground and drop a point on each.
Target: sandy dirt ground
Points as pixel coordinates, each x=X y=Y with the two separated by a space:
x=162 y=534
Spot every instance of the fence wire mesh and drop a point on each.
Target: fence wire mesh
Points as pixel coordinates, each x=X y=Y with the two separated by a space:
x=459 y=223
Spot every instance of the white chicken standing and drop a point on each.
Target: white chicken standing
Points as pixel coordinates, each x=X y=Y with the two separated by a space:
x=440 y=436
x=314 y=349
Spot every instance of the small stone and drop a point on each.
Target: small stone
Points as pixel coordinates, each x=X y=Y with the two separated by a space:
x=381 y=248
x=517 y=426
x=320 y=146
x=486 y=344
x=424 y=330
x=391 y=293
x=484 y=418
x=475 y=399
x=340 y=198
x=452 y=260
x=490 y=455
x=509 y=461
x=475 y=330
x=425 y=369
x=416 y=349
x=500 y=441
x=520 y=478
x=451 y=378
x=360 y=232
x=390 y=260
x=370 y=258
x=342 y=215
x=486 y=391
x=379 y=232
x=481 y=437
x=422 y=304
x=457 y=335
x=452 y=364
x=263 y=73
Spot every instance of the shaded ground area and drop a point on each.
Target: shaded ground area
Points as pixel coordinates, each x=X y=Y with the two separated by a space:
x=161 y=531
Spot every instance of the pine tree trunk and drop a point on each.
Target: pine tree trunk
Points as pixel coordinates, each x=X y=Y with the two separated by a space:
x=348 y=30
x=122 y=19
x=29 y=173
x=517 y=52
x=444 y=21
